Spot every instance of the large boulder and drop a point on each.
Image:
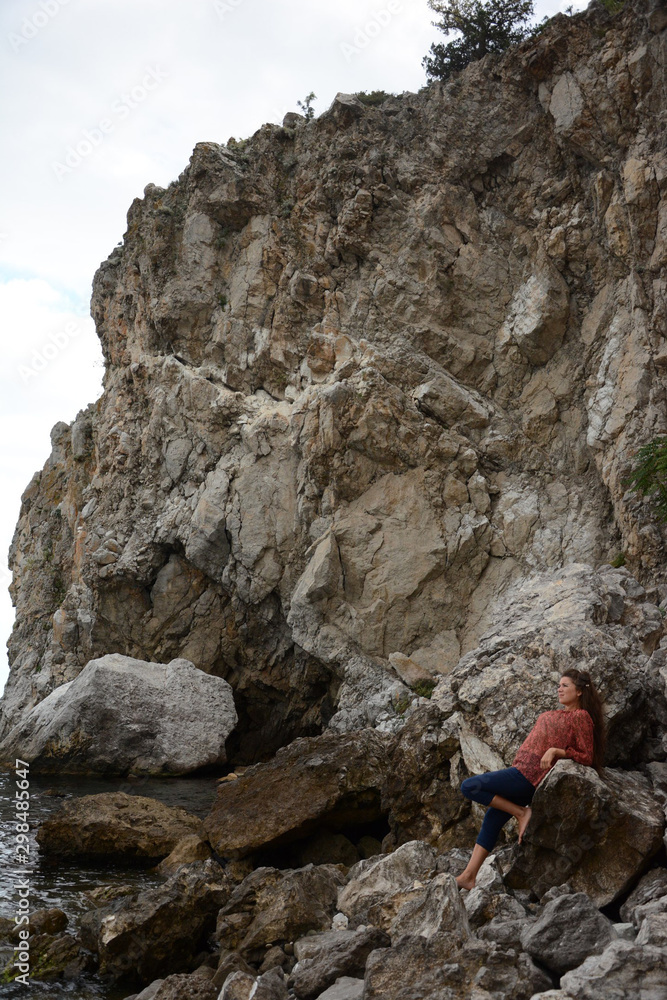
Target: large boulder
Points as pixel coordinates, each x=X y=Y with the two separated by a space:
x=371 y=881
x=623 y=971
x=598 y=834
x=343 y=955
x=116 y=825
x=569 y=929
x=161 y=930
x=333 y=780
x=272 y=905
x=122 y=715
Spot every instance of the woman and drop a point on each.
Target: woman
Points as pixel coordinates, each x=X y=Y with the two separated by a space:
x=577 y=732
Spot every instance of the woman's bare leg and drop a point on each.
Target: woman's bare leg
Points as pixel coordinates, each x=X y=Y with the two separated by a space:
x=521 y=813
x=466 y=880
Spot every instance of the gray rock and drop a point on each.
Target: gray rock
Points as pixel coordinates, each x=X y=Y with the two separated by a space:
x=160 y=929
x=255 y=914
x=345 y=988
x=569 y=929
x=598 y=834
x=371 y=880
x=651 y=886
x=345 y=957
x=123 y=715
x=623 y=970
x=185 y=987
x=653 y=930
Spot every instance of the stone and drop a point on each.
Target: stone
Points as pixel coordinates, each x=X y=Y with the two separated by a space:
x=599 y=834
x=374 y=384
x=255 y=914
x=538 y=314
x=239 y=986
x=623 y=970
x=651 y=886
x=653 y=931
x=567 y=931
x=573 y=616
x=160 y=929
x=345 y=988
x=185 y=987
x=116 y=825
x=189 y=848
x=331 y=780
x=345 y=957
x=115 y=718
x=370 y=881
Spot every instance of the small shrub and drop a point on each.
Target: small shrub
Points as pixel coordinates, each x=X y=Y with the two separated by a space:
x=424 y=688
x=649 y=476
x=222 y=301
x=613 y=6
x=618 y=561
x=373 y=98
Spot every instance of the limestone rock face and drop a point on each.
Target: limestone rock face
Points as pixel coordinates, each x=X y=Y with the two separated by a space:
x=597 y=620
x=116 y=825
x=122 y=715
x=598 y=835
x=362 y=374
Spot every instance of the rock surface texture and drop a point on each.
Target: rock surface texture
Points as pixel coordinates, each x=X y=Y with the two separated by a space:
x=433 y=327
x=353 y=498
x=123 y=715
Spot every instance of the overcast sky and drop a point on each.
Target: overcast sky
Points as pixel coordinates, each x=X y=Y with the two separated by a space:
x=133 y=85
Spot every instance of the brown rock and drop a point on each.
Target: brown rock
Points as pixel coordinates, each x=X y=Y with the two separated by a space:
x=597 y=834
x=115 y=824
x=331 y=780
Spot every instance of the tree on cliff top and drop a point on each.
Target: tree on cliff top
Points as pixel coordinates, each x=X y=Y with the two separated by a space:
x=483 y=26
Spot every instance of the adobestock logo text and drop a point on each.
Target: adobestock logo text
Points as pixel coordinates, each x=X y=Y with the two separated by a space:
x=32 y=25
x=93 y=137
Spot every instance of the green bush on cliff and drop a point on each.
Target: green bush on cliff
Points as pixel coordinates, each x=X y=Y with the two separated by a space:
x=649 y=476
x=483 y=26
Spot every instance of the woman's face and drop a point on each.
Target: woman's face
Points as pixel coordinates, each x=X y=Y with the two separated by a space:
x=568 y=695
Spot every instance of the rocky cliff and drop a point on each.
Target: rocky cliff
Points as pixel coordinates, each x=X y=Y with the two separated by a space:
x=372 y=380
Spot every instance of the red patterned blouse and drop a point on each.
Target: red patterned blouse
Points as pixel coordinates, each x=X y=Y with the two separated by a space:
x=571 y=731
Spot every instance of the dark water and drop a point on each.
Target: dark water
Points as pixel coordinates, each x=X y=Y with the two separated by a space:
x=63 y=884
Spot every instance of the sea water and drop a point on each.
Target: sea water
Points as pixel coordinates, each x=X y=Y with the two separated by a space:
x=63 y=883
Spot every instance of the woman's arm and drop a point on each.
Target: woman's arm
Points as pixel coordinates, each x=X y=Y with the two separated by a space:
x=580 y=744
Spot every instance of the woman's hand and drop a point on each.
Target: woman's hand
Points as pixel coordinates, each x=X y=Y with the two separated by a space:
x=551 y=756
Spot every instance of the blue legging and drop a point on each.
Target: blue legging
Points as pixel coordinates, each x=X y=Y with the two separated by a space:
x=511 y=784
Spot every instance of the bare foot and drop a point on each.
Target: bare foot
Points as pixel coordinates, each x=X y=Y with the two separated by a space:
x=524 y=821
x=465 y=881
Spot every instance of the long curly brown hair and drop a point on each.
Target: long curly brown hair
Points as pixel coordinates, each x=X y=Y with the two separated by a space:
x=591 y=703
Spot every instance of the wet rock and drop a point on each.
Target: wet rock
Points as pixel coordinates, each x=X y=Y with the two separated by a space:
x=369 y=882
x=122 y=715
x=569 y=929
x=159 y=930
x=344 y=957
x=598 y=834
x=189 y=848
x=55 y=956
x=623 y=970
x=116 y=825
x=331 y=780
